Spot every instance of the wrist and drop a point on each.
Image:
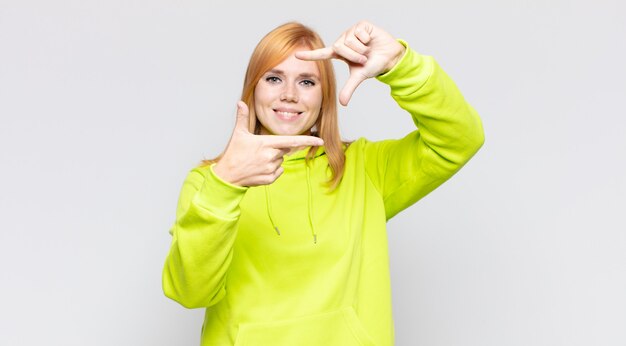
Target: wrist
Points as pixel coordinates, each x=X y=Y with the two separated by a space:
x=401 y=49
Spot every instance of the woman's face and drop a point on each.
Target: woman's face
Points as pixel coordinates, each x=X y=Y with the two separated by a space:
x=288 y=98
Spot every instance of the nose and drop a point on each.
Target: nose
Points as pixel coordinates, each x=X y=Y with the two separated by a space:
x=289 y=93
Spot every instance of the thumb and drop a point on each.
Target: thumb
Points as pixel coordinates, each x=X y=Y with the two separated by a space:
x=348 y=89
x=243 y=117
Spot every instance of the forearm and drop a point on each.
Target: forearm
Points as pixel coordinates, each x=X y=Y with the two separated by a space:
x=203 y=236
x=448 y=125
x=449 y=133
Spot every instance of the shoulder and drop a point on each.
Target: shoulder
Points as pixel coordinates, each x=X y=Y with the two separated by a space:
x=351 y=148
x=360 y=146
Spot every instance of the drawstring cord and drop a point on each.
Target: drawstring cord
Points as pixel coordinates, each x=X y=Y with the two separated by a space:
x=269 y=208
x=310 y=204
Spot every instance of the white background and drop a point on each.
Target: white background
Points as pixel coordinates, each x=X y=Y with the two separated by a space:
x=105 y=106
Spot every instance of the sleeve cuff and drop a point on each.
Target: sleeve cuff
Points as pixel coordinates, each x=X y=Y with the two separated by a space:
x=411 y=72
x=218 y=196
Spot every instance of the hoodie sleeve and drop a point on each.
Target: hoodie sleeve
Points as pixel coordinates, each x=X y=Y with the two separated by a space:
x=449 y=133
x=202 y=239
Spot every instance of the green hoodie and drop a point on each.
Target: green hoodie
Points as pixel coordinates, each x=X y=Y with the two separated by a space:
x=293 y=264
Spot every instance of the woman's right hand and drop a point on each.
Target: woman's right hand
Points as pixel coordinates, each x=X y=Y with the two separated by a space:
x=251 y=160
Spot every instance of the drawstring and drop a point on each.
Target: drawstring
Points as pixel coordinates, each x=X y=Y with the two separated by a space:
x=310 y=203
x=269 y=208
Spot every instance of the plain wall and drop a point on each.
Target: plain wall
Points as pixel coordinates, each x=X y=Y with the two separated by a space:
x=106 y=105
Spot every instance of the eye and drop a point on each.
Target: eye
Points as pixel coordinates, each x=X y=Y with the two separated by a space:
x=308 y=82
x=272 y=79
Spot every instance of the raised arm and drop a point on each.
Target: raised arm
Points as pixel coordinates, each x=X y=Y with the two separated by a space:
x=202 y=239
x=449 y=133
x=208 y=212
x=449 y=130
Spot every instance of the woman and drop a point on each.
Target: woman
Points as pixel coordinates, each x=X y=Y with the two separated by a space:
x=282 y=238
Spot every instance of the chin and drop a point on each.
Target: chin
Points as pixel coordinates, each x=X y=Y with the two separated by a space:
x=290 y=132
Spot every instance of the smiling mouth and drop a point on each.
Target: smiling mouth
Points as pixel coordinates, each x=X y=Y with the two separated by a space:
x=286 y=115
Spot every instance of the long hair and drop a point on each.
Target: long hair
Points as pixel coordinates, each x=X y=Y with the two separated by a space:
x=275 y=47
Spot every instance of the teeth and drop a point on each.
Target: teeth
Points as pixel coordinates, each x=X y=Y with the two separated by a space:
x=287 y=114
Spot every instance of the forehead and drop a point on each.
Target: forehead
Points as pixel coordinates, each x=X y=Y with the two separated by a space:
x=293 y=65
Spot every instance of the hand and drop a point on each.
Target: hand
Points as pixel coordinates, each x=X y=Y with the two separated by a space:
x=251 y=160
x=368 y=50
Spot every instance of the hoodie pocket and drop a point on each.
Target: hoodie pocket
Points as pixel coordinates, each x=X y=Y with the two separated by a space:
x=337 y=328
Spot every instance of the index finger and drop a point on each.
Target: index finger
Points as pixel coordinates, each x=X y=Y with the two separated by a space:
x=280 y=142
x=316 y=54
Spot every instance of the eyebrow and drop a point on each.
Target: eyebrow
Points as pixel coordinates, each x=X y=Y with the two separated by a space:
x=304 y=75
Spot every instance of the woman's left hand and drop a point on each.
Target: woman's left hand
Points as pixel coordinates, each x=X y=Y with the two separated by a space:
x=368 y=50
